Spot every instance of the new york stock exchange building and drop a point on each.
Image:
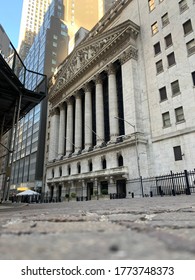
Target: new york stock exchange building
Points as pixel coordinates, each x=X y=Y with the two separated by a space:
x=108 y=123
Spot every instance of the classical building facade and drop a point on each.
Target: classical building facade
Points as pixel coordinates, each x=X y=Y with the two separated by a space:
x=121 y=105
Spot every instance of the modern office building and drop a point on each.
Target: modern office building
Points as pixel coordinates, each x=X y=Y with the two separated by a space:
x=122 y=104
x=33 y=12
x=49 y=48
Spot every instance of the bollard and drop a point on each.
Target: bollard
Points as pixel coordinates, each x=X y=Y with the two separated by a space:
x=173 y=192
x=132 y=195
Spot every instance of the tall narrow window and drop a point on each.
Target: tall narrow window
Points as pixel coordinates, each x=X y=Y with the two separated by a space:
x=154 y=28
x=168 y=41
x=179 y=114
x=171 y=59
x=177 y=153
x=175 y=88
x=165 y=20
x=183 y=6
x=191 y=47
x=157 y=48
x=151 y=5
x=166 y=119
x=193 y=78
x=159 y=67
x=163 y=94
x=187 y=27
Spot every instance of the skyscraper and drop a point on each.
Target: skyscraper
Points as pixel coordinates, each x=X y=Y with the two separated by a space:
x=33 y=12
x=49 y=48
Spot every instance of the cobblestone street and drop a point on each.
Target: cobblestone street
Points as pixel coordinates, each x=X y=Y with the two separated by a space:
x=139 y=228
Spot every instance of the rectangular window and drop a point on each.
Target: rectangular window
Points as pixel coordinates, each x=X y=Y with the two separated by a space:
x=183 y=6
x=191 y=47
x=179 y=114
x=163 y=94
x=157 y=48
x=166 y=119
x=54 y=44
x=168 y=41
x=154 y=28
x=165 y=20
x=177 y=153
x=175 y=88
x=159 y=67
x=151 y=5
x=187 y=27
x=193 y=78
x=171 y=59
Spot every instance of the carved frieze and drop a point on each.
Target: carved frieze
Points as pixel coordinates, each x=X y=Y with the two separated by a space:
x=90 y=53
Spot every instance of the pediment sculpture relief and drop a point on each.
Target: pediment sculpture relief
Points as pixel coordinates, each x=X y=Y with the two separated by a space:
x=88 y=52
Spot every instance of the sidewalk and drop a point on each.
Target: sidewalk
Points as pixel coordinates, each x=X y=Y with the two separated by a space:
x=139 y=228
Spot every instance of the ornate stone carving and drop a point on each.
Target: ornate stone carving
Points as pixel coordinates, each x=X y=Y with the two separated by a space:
x=98 y=79
x=129 y=54
x=90 y=53
x=111 y=69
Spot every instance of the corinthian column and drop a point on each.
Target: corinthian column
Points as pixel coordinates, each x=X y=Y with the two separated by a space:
x=113 y=103
x=88 y=117
x=99 y=111
x=54 y=130
x=78 y=123
x=61 y=131
x=69 y=128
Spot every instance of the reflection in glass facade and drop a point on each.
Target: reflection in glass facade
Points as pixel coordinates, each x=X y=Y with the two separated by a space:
x=28 y=158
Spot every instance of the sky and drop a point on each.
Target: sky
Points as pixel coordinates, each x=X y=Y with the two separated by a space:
x=10 y=15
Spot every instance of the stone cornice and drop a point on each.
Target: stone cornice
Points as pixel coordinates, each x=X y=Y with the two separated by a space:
x=89 y=53
x=94 y=153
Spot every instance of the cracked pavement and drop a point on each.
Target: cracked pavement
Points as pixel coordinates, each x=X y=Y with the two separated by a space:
x=140 y=228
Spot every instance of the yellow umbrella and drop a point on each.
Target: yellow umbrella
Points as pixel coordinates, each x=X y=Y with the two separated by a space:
x=22 y=189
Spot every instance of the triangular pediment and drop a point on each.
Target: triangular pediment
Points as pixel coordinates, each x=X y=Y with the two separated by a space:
x=89 y=52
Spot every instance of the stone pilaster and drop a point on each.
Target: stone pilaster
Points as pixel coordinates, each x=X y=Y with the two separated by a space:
x=78 y=123
x=99 y=111
x=69 y=128
x=88 y=117
x=131 y=96
x=61 y=144
x=54 y=134
x=113 y=103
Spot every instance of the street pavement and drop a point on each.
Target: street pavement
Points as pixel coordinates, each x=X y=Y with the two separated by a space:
x=149 y=228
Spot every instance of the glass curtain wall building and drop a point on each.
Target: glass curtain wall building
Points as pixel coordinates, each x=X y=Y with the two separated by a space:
x=49 y=48
x=61 y=21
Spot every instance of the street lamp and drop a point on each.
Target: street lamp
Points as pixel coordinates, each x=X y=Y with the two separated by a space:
x=137 y=154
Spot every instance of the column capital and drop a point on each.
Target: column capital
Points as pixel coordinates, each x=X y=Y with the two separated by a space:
x=128 y=54
x=98 y=79
x=87 y=87
x=69 y=100
x=54 y=111
x=77 y=94
x=110 y=69
x=61 y=106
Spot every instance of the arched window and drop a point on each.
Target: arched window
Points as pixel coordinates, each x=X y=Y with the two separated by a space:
x=90 y=166
x=69 y=170
x=104 y=163
x=79 y=167
x=120 y=160
x=60 y=171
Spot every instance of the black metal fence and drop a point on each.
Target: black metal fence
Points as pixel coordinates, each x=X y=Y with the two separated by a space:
x=172 y=184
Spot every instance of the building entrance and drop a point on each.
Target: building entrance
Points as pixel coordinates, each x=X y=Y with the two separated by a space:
x=121 y=188
x=89 y=190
